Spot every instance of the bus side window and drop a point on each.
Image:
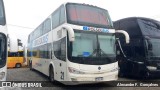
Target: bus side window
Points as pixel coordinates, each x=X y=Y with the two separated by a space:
x=63 y=49
x=62 y=15
x=56 y=48
x=49 y=54
x=60 y=49
x=55 y=19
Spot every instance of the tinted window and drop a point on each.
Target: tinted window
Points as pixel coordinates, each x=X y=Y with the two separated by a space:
x=38 y=31
x=55 y=19
x=34 y=53
x=2 y=15
x=149 y=28
x=43 y=51
x=59 y=48
x=63 y=49
x=29 y=53
x=49 y=55
x=20 y=53
x=12 y=54
x=3 y=50
x=1 y=9
x=56 y=48
x=154 y=52
x=47 y=25
x=62 y=16
x=88 y=15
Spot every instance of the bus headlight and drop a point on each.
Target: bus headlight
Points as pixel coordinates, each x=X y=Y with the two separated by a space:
x=113 y=70
x=2 y=75
x=73 y=70
x=152 y=68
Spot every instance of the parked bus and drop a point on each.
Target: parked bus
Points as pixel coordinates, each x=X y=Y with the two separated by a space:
x=15 y=59
x=75 y=43
x=3 y=43
x=140 y=58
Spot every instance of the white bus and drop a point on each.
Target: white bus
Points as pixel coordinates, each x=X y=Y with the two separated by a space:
x=75 y=43
x=4 y=38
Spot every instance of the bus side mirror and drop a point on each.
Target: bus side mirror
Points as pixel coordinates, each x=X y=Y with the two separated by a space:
x=13 y=43
x=125 y=34
x=70 y=32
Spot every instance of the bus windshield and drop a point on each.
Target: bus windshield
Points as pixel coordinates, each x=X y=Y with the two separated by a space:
x=80 y=14
x=3 y=51
x=154 y=52
x=93 y=48
x=2 y=16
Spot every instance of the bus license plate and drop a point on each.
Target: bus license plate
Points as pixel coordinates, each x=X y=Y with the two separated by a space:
x=99 y=79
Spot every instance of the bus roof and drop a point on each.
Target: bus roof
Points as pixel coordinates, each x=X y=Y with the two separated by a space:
x=139 y=26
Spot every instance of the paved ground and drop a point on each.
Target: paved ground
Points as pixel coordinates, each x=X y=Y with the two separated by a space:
x=24 y=74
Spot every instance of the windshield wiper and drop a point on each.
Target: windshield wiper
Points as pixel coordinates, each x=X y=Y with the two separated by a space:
x=94 y=52
x=99 y=52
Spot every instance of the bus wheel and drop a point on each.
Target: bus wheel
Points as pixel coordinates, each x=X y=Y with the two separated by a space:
x=51 y=74
x=18 y=65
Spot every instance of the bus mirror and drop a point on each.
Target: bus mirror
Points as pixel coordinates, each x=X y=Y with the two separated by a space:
x=70 y=32
x=13 y=43
x=125 y=34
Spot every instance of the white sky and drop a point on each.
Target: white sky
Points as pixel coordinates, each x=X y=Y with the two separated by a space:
x=30 y=13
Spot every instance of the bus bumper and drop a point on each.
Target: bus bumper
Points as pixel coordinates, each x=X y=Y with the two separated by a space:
x=154 y=74
x=75 y=79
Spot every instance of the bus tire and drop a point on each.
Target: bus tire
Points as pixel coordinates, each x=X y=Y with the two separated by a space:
x=18 y=65
x=51 y=74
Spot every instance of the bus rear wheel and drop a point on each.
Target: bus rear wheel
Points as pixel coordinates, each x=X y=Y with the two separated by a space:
x=51 y=74
x=18 y=65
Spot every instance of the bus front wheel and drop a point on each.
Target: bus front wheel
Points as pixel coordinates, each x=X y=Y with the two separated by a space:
x=51 y=74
